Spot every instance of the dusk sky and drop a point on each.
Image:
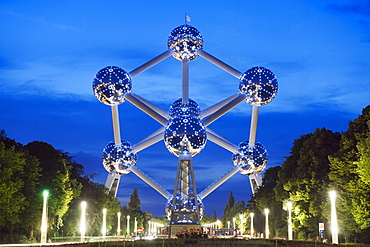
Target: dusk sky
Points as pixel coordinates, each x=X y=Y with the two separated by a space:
x=50 y=52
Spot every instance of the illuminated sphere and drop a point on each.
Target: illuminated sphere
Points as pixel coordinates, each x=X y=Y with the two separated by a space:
x=185 y=133
x=184 y=42
x=250 y=159
x=118 y=159
x=178 y=108
x=259 y=84
x=111 y=84
x=185 y=206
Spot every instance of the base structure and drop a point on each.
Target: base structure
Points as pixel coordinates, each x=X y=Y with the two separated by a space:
x=178 y=228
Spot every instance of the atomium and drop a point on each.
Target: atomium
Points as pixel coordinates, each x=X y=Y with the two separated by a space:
x=250 y=159
x=184 y=127
x=118 y=158
x=111 y=84
x=259 y=84
x=184 y=42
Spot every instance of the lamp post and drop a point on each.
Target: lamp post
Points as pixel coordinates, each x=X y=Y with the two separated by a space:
x=135 y=226
x=128 y=225
x=334 y=221
x=228 y=224
x=252 y=228
x=83 y=221
x=104 y=227
x=290 y=229
x=241 y=217
x=267 y=223
x=44 y=219
x=119 y=224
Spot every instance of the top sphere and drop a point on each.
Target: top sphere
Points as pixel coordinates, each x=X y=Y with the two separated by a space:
x=260 y=85
x=178 y=108
x=184 y=42
x=111 y=84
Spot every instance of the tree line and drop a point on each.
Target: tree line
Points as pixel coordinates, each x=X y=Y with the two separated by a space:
x=27 y=170
x=318 y=162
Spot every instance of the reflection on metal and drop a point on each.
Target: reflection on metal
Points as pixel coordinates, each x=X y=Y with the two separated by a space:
x=184 y=128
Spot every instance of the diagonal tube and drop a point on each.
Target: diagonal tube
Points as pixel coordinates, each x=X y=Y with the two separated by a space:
x=217 y=106
x=214 y=116
x=154 y=107
x=142 y=106
x=220 y=64
x=153 y=138
x=150 y=63
x=218 y=182
x=150 y=182
x=221 y=141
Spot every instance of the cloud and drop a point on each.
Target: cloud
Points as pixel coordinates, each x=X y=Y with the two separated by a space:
x=361 y=8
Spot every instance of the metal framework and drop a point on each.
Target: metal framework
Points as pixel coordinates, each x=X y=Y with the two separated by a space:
x=184 y=127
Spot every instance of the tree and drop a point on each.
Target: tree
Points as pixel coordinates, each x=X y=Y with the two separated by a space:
x=134 y=203
x=55 y=177
x=346 y=176
x=304 y=179
x=12 y=200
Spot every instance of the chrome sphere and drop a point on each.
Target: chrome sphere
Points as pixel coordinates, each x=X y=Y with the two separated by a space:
x=118 y=159
x=259 y=84
x=184 y=42
x=185 y=206
x=250 y=159
x=185 y=133
x=178 y=108
x=111 y=84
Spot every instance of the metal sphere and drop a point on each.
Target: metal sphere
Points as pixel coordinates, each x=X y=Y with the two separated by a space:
x=111 y=84
x=250 y=159
x=118 y=159
x=259 y=84
x=185 y=133
x=178 y=108
x=184 y=42
x=186 y=206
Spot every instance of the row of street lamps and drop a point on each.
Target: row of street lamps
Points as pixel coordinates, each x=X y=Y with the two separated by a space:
x=44 y=221
x=153 y=225
x=334 y=222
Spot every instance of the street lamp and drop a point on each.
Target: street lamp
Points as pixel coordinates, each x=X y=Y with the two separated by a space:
x=241 y=217
x=44 y=219
x=119 y=224
x=135 y=226
x=267 y=223
x=228 y=224
x=252 y=228
x=83 y=221
x=334 y=221
x=128 y=225
x=290 y=230
x=104 y=227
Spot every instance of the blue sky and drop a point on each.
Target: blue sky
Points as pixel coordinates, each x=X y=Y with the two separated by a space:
x=51 y=50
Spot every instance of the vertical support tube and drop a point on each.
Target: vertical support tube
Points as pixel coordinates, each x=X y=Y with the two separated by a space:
x=185 y=81
x=116 y=129
x=253 y=128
